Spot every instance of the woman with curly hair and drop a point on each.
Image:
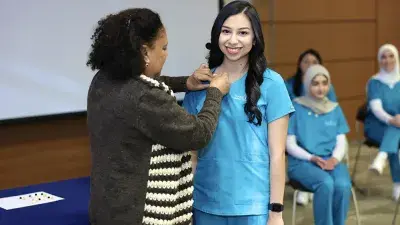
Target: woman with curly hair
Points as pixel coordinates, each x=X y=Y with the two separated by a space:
x=140 y=137
x=240 y=174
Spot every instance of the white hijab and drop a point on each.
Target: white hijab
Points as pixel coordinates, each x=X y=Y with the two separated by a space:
x=318 y=106
x=388 y=77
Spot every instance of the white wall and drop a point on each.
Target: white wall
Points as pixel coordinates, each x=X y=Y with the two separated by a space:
x=44 y=46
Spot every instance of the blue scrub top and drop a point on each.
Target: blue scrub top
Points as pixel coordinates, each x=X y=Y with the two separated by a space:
x=390 y=97
x=232 y=174
x=317 y=133
x=289 y=85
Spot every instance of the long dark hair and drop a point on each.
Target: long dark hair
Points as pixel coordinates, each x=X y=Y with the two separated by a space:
x=257 y=63
x=298 y=76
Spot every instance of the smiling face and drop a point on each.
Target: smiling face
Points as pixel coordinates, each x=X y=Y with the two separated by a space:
x=387 y=61
x=236 y=37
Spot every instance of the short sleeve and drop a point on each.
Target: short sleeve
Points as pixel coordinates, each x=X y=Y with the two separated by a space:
x=332 y=94
x=279 y=103
x=373 y=90
x=189 y=103
x=343 y=127
x=292 y=125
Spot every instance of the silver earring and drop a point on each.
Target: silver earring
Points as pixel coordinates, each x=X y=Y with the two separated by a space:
x=147 y=64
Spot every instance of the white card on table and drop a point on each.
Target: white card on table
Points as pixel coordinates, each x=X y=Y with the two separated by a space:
x=20 y=201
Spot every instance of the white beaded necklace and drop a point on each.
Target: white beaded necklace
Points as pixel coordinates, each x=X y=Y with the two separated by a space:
x=156 y=83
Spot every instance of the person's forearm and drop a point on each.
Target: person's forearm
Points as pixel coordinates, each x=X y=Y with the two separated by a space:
x=177 y=84
x=277 y=134
x=379 y=112
x=277 y=178
x=295 y=150
x=341 y=147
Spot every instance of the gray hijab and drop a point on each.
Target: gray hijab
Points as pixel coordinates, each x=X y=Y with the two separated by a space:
x=318 y=106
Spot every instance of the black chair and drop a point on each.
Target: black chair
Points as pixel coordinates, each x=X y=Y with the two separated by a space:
x=362 y=140
x=297 y=186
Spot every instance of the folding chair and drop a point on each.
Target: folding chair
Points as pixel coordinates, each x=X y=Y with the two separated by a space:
x=297 y=186
x=396 y=211
x=362 y=140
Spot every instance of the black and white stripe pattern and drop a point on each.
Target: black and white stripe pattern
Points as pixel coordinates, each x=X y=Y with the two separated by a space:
x=169 y=195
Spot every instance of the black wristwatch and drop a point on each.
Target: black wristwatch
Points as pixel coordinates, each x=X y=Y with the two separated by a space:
x=275 y=207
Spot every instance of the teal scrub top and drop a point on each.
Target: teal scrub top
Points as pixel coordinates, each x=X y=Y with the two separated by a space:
x=316 y=133
x=232 y=174
x=390 y=97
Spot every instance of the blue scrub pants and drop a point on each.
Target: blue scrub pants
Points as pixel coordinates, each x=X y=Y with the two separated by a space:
x=202 y=218
x=332 y=190
x=390 y=144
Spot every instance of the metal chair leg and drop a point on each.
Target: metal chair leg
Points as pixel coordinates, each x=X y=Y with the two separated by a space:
x=353 y=174
x=396 y=211
x=296 y=192
x=353 y=193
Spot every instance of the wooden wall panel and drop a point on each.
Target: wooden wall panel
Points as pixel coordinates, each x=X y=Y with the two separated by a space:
x=354 y=74
x=388 y=22
x=46 y=161
x=334 y=41
x=312 y=10
x=350 y=108
x=263 y=8
x=285 y=70
x=43 y=151
x=350 y=78
x=52 y=129
x=269 y=41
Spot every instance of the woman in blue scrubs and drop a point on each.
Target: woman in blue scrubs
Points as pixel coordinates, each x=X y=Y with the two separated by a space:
x=295 y=88
x=316 y=144
x=383 y=120
x=240 y=175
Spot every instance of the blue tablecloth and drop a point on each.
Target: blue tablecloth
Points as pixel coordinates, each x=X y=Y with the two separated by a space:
x=72 y=210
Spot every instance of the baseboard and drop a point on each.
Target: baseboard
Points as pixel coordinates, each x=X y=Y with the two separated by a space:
x=41 y=119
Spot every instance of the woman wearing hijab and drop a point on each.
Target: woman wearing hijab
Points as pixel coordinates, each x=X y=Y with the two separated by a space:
x=381 y=125
x=295 y=88
x=316 y=144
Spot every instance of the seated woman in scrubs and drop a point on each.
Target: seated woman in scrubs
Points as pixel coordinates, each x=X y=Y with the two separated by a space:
x=294 y=84
x=240 y=175
x=383 y=120
x=295 y=88
x=316 y=144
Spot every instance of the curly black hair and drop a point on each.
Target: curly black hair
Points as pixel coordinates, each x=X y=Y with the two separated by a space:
x=118 y=40
x=257 y=63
